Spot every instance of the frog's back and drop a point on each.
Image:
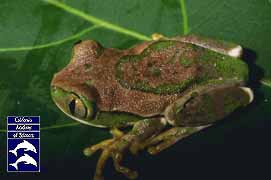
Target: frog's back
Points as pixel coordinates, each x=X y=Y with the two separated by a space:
x=146 y=83
x=165 y=67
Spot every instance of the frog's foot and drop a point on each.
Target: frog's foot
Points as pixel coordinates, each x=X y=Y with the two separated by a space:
x=111 y=148
x=116 y=147
x=92 y=149
x=164 y=140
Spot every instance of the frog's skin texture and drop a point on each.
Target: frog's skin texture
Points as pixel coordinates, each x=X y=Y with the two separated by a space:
x=187 y=82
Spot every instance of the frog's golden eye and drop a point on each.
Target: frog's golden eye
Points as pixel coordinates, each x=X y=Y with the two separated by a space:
x=77 y=107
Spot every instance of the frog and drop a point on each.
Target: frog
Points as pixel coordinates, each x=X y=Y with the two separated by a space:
x=152 y=94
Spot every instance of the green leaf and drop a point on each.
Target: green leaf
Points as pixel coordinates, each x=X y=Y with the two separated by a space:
x=36 y=40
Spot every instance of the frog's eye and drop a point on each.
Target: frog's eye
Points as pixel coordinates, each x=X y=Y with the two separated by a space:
x=80 y=107
x=77 y=108
x=74 y=105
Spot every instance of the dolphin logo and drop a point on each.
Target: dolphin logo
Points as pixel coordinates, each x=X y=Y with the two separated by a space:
x=26 y=159
x=24 y=145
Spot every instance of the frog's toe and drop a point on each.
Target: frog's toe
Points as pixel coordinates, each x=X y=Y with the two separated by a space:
x=114 y=150
x=130 y=174
x=100 y=165
x=106 y=143
x=116 y=147
x=102 y=145
x=169 y=137
x=163 y=145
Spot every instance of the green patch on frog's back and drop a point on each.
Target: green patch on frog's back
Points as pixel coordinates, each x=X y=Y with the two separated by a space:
x=147 y=84
x=162 y=45
x=185 y=62
x=225 y=66
x=155 y=71
x=212 y=68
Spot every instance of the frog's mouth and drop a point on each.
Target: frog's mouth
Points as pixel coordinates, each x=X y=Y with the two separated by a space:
x=74 y=105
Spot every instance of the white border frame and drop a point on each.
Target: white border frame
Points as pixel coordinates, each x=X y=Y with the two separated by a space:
x=22 y=138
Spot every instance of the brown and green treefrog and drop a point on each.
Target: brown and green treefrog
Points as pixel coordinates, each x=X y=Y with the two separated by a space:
x=165 y=89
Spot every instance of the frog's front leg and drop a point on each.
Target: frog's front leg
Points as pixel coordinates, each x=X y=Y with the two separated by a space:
x=116 y=147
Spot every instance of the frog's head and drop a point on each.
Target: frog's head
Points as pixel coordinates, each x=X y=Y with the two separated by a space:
x=71 y=88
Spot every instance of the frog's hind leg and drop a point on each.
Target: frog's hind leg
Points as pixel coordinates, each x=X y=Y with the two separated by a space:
x=166 y=139
x=197 y=112
x=170 y=137
x=223 y=47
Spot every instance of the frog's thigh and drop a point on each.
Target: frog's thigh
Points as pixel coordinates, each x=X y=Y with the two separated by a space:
x=207 y=106
x=223 y=47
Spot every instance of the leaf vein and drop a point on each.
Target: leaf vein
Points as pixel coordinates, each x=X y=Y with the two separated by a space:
x=55 y=43
x=97 y=21
x=185 y=17
x=60 y=126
